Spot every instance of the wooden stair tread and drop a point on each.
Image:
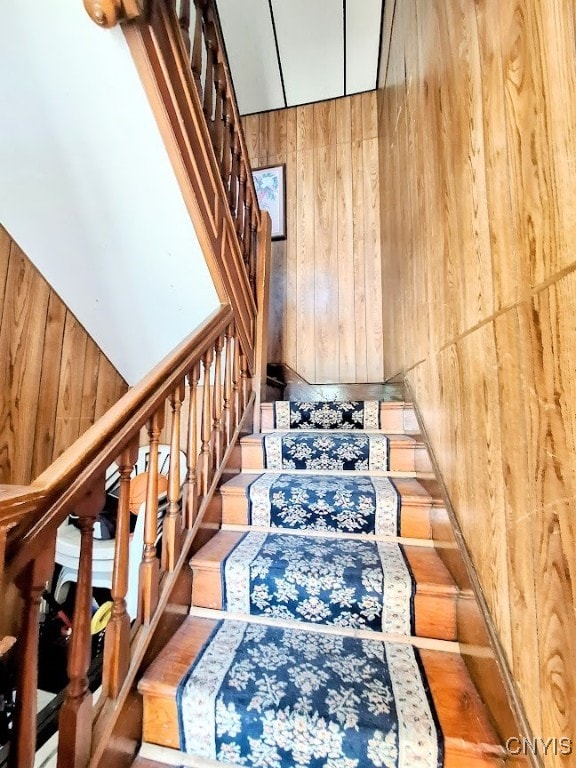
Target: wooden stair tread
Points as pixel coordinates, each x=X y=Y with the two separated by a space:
x=415 y=503
x=405 y=453
x=468 y=735
x=434 y=599
x=425 y=564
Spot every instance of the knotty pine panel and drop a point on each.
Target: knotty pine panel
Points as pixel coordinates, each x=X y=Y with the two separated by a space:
x=477 y=140
x=56 y=381
x=326 y=322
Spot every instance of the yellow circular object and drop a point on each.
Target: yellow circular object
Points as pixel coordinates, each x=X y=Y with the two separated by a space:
x=101 y=617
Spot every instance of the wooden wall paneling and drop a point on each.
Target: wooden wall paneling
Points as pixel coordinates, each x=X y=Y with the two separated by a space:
x=551 y=476
x=110 y=387
x=484 y=453
x=477 y=138
x=288 y=354
x=372 y=261
x=5 y=245
x=49 y=391
x=325 y=253
x=519 y=517
x=502 y=219
x=470 y=172
x=304 y=128
x=306 y=243
x=358 y=250
x=326 y=266
x=26 y=307
x=67 y=426
x=251 y=127
x=90 y=378
x=346 y=307
x=5 y=393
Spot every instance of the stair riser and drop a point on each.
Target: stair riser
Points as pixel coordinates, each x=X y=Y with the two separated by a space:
x=402 y=458
x=415 y=521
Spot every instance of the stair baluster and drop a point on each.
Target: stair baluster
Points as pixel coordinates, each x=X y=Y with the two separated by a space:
x=150 y=565
x=184 y=23
x=236 y=400
x=172 y=529
x=217 y=405
x=117 y=639
x=192 y=448
x=206 y=450
x=75 y=720
x=197 y=47
x=228 y=415
x=244 y=383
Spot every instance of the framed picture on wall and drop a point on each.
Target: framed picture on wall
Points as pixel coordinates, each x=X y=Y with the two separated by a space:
x=270 y=184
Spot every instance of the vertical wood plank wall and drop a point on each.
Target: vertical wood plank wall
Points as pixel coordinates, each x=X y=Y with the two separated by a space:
x=477 y=124
x=55 y=380
x=325 y=298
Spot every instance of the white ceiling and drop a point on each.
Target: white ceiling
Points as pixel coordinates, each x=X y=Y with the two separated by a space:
x=288 y=52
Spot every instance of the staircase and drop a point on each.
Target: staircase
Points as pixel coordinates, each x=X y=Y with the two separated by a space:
x=323 y=625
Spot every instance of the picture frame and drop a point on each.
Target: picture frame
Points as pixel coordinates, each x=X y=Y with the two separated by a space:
x=270 y=185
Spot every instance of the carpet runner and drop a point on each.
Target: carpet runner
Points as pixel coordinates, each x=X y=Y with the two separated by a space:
x=368 y=505
x=286 y=698
x=338 y=450
x=353 y=414
x=265 y=695
x=343 y=582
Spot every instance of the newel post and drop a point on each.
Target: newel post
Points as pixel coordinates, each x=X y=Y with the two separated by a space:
x=108 y=13
x=31 y=583
x=262 y=302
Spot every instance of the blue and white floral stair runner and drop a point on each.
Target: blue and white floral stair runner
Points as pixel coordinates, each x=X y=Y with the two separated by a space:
x=353 y=414
x=286 y=698
x=268 y=695
x=344 y=582
x=348 y=505
x=347 y=451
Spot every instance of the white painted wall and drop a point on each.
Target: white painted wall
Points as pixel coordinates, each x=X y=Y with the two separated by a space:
x=86 y=186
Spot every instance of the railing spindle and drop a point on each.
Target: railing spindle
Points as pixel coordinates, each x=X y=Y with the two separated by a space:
x=197 y=46
x=75 y=720
x=208 y=104
x=172 y=530
x=228 y=132
x=184 y=23
x=243 y=381
x=150 y=565
x=219 y=135
x=235 y=172
x=236 y=399
x=192 y=446
x=247 y=229
x=117 y=639
x=217 y=405
x=241 y=204
x=228 y=416
x=205 y=454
